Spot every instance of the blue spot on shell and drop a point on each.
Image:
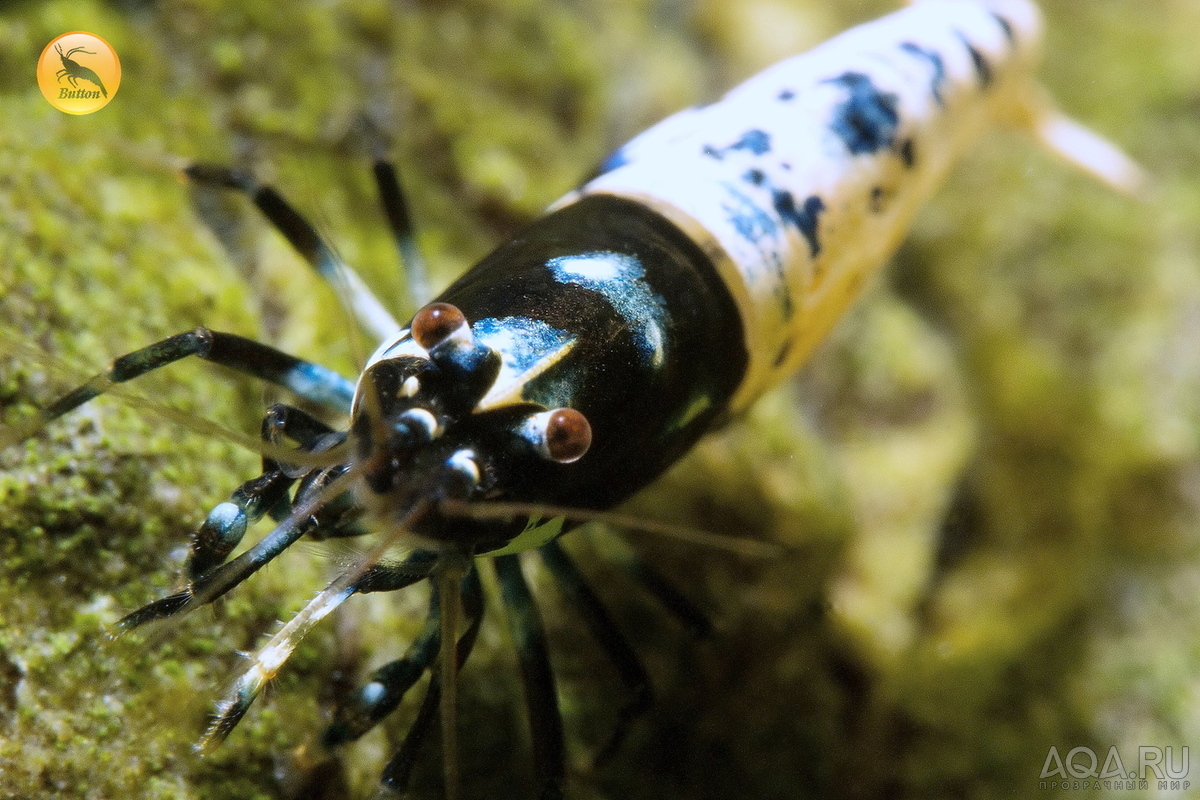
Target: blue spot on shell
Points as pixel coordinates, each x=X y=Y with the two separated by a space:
x=750 y=221
x=938 y=78
x=522 y=342
x=621 y=278
x=867 y=121
x=983 y=70
x=754 y=224
x=805 y=219
x=525 y=345
x=879 y=198
x=755 y=141
x=1005 y=26
x=616 y=159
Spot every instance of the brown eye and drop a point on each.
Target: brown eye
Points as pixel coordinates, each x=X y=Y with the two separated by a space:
x=568 y=435
x=561 y=434
x=435 y=323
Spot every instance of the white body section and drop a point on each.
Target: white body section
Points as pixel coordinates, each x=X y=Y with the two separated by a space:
x=802 y=181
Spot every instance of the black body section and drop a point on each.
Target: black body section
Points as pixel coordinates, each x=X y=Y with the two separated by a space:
x=645 y=412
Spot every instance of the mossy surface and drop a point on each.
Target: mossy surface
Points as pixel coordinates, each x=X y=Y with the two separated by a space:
x=986 y=477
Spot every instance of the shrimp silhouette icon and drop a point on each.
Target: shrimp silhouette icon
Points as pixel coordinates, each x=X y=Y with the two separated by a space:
x=79 y=72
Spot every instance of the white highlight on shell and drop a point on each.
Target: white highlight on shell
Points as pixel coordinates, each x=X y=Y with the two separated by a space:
x=226 y=515
x=424 y=418
x=464 y=461
x=527 y=348
x=533 y=430
x=373 y=692
x=621 y=279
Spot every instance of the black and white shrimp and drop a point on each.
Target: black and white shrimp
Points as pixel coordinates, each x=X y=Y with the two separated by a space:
x=577 y=362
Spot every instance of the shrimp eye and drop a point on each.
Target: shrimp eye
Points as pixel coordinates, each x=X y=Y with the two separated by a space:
x=435 y=323
x=415 y=427
x=561 y=435
x=568 y=435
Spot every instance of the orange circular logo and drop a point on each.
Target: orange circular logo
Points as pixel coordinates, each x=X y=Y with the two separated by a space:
x=79 y=72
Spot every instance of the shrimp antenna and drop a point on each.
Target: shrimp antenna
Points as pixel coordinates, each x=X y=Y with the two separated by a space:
x=453 y=567
x=502 y=509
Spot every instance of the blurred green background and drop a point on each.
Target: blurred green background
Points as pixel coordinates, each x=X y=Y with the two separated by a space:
x=988 y=479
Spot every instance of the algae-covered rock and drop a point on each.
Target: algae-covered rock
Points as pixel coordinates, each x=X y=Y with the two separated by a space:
x=984 y=484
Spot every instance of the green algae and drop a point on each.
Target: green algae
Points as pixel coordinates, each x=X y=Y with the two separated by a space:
x=1027 y=372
